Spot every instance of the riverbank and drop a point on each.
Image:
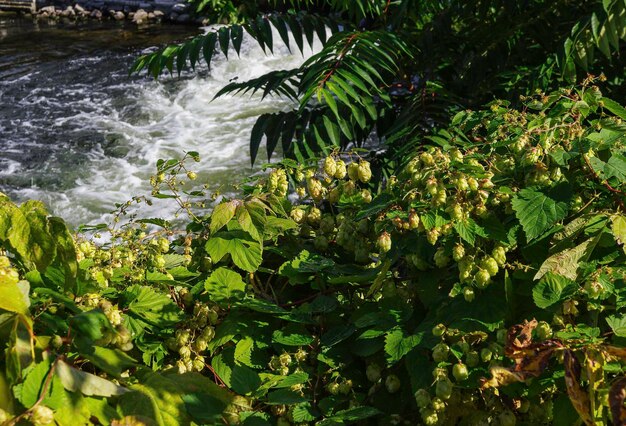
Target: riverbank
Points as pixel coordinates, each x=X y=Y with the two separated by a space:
x=141 y=12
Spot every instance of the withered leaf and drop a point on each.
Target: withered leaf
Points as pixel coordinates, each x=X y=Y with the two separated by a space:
x=617 y=394
x=579 y=398
x=501 y=376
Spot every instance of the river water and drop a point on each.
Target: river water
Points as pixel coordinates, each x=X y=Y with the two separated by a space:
x=81 y=135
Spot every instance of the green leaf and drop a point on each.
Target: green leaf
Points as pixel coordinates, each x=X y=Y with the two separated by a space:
x=159 y=397
x=551 y=289
x=204 y=408
x=397 y=345
x=239 y=378
x=292 y=335
x=13 y=297
x=222 y=214
x=153 y=307
x=617 y=324
x=41 y=247
x=33 y=386
x=86 y=383
x=619 y=229
x=614 y=107
x=225 y=286
x=245 y=251
x=284 y=396
x=304 y=413
x=538 y=211
x=111 y=361
x=468 y=230
x=351 y=415
x=243 y=351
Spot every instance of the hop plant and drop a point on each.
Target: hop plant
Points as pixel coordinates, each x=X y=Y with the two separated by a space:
x=340 y=169
x=364 y=172
x=42 y=416
x=384 y=242
x=330 y=166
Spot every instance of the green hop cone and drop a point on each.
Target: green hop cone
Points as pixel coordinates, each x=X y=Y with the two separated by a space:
x=42 y=415
x=441 y=258
x=422 y=398
x=429 y=416
x=384 y=242
x=460 y=372
x=330 y=166
x=340 y=169
x=373 y=372
x=333 y=388
x=490 y=265
x=482 y=278
x=392 y=383
x=441 y=352
x=364 y=172
x=353 y=171
x=443 y=388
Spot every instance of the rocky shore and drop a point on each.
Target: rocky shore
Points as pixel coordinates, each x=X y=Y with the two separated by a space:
x=140 y=12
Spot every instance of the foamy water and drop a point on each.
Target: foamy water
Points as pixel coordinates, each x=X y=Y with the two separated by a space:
x=82 y=141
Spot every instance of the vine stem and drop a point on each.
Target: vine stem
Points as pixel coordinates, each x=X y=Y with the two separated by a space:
x=42 y=395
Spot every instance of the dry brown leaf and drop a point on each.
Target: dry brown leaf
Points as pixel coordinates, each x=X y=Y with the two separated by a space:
x=617 y=394
x=579 y=398
x=501 y=376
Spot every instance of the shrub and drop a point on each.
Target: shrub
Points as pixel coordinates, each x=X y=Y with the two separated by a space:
x=483 y=284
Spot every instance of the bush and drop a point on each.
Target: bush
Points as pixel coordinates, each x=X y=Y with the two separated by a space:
x=483 y=284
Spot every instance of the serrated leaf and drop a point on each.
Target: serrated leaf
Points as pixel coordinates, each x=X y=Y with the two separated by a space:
x=552 y=289
x=33 y=386
x=243 y=351
x=13 y=298
x=152 y=307
x=292 y=335
x=538 y=211
x=617 y=324
x=222 y=214
x=397 y=345
x=225 y=286
x=245 y=252
x=566 y=263
x=352 y=415
x=304 y=413
x=619 y=229
x=468 y=230
x=284 y=396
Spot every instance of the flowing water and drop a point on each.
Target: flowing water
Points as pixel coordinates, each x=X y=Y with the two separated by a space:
x=81 y=135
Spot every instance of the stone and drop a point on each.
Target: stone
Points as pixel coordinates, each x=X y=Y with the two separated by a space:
x=140 y=17
x=78 y=8
x=47 y=10
x=119 y=16
x=183 y=19
x=158 y=14
x=180 y=8
x=68 y=12
x=96 y=14
x=151 y=16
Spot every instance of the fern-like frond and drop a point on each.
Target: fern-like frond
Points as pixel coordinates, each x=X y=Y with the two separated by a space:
x=603 y=31
x=353 y=70
x=282 y=82
x=303 y=27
